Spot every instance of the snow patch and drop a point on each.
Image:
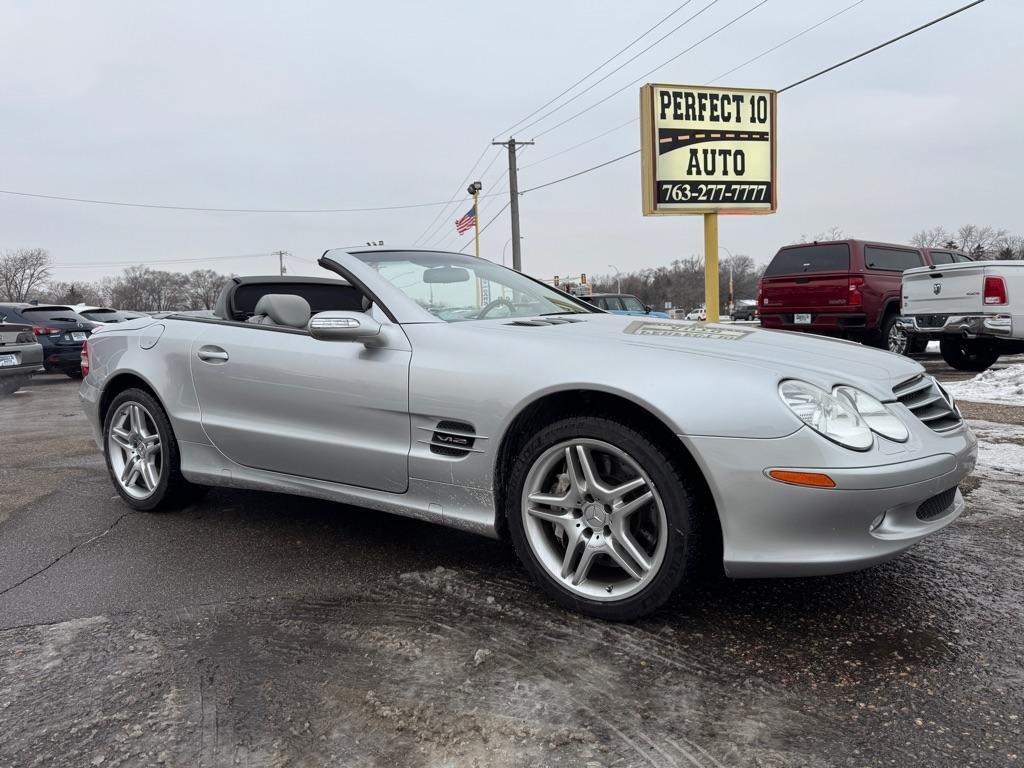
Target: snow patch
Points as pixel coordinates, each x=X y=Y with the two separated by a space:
x=1000 y=450
x=1003 y=385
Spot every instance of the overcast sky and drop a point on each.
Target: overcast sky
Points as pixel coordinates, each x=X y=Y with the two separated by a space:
x=343 y=104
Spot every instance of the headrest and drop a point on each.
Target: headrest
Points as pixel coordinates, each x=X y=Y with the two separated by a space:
x=284 y=309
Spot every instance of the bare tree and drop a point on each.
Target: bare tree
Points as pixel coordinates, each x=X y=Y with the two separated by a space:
x=978 y=242
x=22 y=272
x=204 y=286
x=932 y=238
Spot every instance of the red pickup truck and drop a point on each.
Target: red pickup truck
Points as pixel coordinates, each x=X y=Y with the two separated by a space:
x=844 y=288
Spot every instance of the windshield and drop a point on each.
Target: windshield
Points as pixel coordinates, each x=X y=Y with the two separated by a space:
x=456 y=288
x=104 y=315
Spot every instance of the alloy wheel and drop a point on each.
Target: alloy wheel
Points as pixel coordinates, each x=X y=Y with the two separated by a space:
x=135 y=450
x=897 y=339
x=594 y=519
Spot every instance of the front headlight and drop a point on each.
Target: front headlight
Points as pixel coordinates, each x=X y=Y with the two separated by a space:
x=875 y=413
x=827 y=414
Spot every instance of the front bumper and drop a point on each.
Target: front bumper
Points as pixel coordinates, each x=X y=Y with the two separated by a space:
x=770 y=529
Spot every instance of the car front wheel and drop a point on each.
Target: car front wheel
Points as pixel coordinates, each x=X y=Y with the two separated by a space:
x=142 y=453
x=602 y=518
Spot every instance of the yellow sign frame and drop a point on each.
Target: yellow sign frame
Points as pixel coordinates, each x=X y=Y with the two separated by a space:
x=649 y=156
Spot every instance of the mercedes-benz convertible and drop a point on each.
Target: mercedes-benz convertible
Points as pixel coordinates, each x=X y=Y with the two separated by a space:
x=617 y=453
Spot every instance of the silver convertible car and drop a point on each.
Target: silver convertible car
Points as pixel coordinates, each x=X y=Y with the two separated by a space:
x=617 y=453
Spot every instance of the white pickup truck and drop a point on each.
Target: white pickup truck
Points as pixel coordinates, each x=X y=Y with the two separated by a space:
x=975 y=309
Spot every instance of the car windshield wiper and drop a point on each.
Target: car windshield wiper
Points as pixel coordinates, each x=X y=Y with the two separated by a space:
x=566 y=312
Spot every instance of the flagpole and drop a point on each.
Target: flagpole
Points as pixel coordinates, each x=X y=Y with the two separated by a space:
x=476 y=218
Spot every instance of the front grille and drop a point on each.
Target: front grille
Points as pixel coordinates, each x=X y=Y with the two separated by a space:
x=931 y=321
x=937 y=505
x=926 y=400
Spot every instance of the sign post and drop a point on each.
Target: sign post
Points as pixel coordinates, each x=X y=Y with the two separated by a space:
x=707 y=150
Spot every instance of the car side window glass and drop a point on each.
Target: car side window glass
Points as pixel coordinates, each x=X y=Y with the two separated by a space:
x=632 y=303
x=959 y=258
x=940 y=257
x=613 y=303
x=891 y=259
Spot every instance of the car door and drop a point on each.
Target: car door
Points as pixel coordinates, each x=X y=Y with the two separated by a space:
x=277 y=399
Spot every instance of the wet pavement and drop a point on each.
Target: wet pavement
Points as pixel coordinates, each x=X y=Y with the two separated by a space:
x=264 y=630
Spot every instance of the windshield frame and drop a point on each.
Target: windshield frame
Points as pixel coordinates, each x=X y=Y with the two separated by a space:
x=364 y=268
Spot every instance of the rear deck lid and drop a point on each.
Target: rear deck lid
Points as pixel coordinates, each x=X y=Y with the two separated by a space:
x=807 y=277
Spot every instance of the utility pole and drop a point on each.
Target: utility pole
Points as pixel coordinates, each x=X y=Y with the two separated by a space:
x=280 y=260
x=513 y=191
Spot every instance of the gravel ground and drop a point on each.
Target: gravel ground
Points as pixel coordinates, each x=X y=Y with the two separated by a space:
x=263 y=630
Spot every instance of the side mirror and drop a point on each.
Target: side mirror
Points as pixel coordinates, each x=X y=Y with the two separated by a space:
x=647 y=308
x=343 y=326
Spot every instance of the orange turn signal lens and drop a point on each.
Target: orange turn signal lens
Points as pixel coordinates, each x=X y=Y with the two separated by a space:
x=811 y=479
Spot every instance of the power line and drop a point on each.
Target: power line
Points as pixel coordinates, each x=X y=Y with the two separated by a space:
x=652 y=71
x=430 y=228
x=881 y=45
x=620 y=67
x=761 y=55
x=147 y=262
x=774 y=48
x=124 y=204
x=545 y=105
x=485 y=226
x=781 y=90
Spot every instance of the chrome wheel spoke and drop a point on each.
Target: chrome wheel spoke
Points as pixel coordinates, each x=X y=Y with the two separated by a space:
x=135 y=417
x=131 y=467
x=576 y=482
x=548 y=500
x=586 y=560
x=121 y=437
x=594 y=486
x=621 y=510
x=624 y=539
x=151 y=444
x=558 y=518
x=624 y=562
x=630 y=485
x=149 y=475
x=573 y=540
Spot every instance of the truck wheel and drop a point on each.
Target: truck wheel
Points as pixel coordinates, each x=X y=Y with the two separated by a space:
x=894 y=337
x=968 y=354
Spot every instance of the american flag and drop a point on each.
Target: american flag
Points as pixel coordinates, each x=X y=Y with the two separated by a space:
x=466 y=222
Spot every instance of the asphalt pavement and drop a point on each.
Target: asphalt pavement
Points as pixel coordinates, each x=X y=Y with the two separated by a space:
x=266 y=630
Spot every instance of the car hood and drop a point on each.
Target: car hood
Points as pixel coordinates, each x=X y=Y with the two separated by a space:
x=818 y=359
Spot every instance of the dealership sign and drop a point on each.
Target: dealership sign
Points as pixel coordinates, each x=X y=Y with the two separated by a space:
x=707 y=150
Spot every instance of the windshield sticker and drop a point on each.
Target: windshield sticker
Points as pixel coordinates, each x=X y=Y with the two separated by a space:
x=684 y=330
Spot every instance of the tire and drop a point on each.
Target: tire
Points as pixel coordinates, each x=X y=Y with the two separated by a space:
x=892 y=336
x=968 y=354
x=12 y=384
x=918 y=344
x=163 y=489
x=665 y=530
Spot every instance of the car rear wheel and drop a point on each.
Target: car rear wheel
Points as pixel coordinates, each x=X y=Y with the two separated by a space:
x=142 y=454
x=968 y=354
x=602 y=518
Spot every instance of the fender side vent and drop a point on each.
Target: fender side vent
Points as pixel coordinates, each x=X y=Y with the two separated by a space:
x=453 y=438
x=538 y=322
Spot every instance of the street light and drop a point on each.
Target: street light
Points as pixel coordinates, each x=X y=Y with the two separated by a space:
x=618 y=278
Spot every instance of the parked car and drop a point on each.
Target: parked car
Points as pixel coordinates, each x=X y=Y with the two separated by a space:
x=104 y=315
x=744 y=309
x=700 y=313
x=974 y=309
x=529 y=419
x=844 y=288
x=21 y=356
x=59 y=329
x=622 y=304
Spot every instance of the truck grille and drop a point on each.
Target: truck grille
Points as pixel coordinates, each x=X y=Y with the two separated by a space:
x=937 y=505
x=929 y=402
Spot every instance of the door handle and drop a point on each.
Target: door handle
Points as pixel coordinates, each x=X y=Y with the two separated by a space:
x=211 y=354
